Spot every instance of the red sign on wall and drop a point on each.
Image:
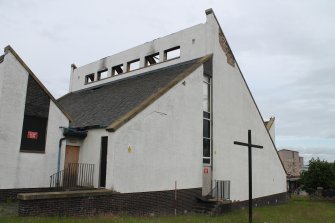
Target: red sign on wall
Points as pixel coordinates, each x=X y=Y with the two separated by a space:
x=32 y=135
x=206 y=171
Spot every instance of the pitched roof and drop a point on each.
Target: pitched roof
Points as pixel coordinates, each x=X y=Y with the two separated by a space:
x=31 y=73
x=113 y=104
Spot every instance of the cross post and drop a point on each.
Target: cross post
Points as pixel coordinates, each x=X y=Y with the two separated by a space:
x=250 y=146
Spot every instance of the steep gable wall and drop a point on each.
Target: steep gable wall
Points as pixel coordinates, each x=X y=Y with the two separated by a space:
x=24 y=169
x=234 y=113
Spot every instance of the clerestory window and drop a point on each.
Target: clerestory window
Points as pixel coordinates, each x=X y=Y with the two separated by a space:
x=152 y=59
x=207 y=135
x=89 y=78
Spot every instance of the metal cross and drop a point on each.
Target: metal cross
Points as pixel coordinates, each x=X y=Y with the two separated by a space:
x=250 y=146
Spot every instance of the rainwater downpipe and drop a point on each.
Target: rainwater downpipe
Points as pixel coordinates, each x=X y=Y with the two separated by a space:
x=59 y=153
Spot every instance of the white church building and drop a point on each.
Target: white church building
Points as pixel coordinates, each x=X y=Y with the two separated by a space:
x=159 y=116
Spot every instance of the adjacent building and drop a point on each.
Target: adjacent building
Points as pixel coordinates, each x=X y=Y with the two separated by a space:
x=293 y=163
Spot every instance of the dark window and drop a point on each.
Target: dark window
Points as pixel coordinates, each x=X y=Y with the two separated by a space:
x=207 y=128
x=207 y=147
x=207 y=115
x=172 y=53
x=89 y=78
x=206 y=160
x=34 y=134
x=102 y=74
x=152 y=59
x=116 y=70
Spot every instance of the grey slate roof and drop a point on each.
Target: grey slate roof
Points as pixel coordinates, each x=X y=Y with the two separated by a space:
x=99 y=106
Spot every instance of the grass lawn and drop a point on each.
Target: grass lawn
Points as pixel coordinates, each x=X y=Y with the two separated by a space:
x=299 y=210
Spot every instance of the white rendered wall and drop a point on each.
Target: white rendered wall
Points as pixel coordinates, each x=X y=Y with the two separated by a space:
x=12 y=103
x=90 y=150
x=35 y=169
x=234 y=112
x=165 y=141
x=17 y=169
x=1 y=77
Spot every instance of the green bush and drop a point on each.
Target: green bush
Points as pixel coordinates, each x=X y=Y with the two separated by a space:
x=319 y=174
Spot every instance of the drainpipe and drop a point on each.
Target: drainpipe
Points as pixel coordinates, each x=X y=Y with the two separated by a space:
x=59 y=153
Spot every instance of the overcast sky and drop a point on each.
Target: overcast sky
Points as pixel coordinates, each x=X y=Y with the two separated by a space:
x=285 y=48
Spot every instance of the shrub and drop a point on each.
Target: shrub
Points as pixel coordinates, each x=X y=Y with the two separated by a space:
x=319 y=174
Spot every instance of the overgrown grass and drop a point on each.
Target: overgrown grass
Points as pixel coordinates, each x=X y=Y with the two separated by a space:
x=299 y=210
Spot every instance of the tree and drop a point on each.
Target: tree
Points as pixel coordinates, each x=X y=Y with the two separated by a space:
x=319 y=174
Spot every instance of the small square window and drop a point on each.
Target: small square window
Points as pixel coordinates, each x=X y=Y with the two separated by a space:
x=116 y=70
x=89 y=78
x=102 y=74
x=172 y=53
x=133 y=65
x=151 y=59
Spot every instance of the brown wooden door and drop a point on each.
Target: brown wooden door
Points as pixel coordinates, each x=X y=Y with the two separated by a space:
x=71 y=166
x=71 y=155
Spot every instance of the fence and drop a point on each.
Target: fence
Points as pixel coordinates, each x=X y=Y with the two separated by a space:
x=76 y=175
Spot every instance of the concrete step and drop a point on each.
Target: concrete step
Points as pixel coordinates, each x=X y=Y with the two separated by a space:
x=208 y=205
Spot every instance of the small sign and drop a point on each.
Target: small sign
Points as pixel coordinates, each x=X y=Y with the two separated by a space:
x=206 y=171
x=129 y=149
x=32 y=135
